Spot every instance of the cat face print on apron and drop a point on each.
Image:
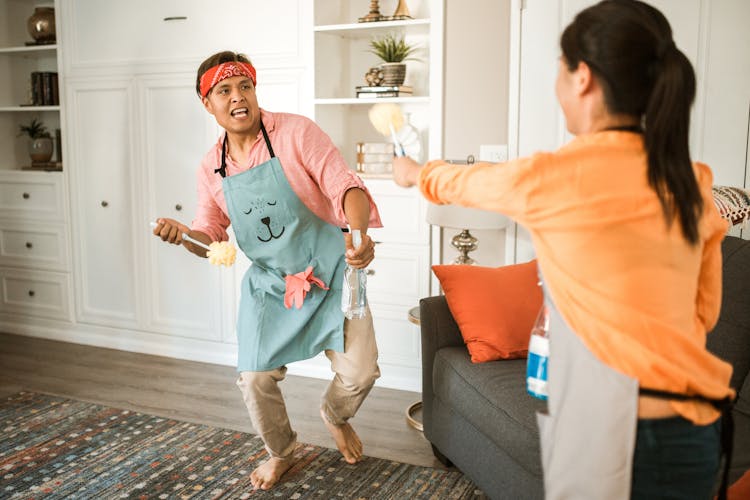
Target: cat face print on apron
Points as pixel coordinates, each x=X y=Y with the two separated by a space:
x=290 y=296
x=588 y=433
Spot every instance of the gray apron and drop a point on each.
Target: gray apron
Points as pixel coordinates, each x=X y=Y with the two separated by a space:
x=586 y=398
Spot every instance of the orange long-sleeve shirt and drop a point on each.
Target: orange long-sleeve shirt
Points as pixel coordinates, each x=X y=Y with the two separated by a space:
x=639 y=296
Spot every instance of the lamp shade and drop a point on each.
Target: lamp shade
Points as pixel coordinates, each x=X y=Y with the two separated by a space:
x=457 y=217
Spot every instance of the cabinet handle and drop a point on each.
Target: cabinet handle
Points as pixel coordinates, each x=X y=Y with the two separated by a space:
x=178 y=207
x=32 y=293
x=29 y=244
x=105 y=203
x=377 y=242
x=370 y=272
x=26 y=196
x=175 y=18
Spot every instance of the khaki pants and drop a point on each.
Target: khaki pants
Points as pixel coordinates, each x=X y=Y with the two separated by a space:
x=356 y=370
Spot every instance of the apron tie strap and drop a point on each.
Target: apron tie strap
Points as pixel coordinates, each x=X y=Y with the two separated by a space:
x=297 y=286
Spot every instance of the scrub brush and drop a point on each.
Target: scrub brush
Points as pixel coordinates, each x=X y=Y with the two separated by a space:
x=388 y=119
x=219 y=252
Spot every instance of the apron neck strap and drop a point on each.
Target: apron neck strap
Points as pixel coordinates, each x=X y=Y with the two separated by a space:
x=222 y=170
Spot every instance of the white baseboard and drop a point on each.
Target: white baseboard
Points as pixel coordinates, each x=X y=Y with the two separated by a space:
x=393 y=376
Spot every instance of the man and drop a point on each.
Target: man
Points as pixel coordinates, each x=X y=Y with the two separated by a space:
x=285 y=189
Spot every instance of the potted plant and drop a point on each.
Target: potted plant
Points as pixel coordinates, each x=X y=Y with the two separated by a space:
x=40 y=146
x=393 y=51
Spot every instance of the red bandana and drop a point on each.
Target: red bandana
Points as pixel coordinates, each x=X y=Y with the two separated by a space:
x=225 y=70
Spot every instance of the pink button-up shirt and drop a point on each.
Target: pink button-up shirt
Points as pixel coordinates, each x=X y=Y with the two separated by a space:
x=313 y=166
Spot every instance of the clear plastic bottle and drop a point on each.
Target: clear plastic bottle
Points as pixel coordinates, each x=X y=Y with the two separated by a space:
x=537 y=362
x=354 y=296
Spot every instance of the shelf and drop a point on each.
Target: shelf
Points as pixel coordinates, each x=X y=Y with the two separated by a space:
x=368 y=102
x=27 y=49
x=28 y=109
x=358 y=30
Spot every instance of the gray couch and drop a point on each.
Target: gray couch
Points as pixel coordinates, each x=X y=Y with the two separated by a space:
x=480 y=418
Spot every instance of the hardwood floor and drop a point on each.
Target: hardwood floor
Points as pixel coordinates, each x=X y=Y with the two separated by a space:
x=198 y=392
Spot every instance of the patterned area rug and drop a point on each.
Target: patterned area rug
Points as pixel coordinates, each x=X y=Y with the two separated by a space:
x=53 y=447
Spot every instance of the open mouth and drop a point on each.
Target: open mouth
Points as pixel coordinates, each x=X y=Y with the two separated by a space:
x=239 y=113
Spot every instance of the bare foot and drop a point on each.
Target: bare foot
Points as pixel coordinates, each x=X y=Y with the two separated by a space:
x=346 y=439
x=268 y=473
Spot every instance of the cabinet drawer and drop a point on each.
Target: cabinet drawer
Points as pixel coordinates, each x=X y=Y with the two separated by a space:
x=402 y=212
x=399 y=275
x=33 y=245
x=169 y=31
x=37 y=197
x=37 y=293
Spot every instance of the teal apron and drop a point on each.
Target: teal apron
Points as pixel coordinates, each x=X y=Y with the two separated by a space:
x=296 y=257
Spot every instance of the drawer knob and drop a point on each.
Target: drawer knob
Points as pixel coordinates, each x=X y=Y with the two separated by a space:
x=32 y=293
x=178 y=207
x=370 y=272
x=26 y=196
x=105 y=203
x=175 y=18
x=29 y=244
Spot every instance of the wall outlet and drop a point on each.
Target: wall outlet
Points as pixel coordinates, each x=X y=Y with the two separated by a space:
x=493 y=153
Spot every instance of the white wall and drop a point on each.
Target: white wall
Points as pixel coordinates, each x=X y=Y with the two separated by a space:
x=476 y=96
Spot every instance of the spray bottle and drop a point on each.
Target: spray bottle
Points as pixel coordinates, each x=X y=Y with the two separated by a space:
x=537 y=362
x=354 y=296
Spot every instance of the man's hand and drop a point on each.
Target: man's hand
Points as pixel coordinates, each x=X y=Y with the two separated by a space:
x=170 y=230
x=359 y=258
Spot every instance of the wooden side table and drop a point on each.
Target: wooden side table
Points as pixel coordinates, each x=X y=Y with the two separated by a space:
x=417 y=405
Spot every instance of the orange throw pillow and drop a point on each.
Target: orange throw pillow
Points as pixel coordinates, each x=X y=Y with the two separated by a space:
x=495 y=308
x=741 y=488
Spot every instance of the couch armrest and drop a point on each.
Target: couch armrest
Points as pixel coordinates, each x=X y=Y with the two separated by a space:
x=439 y=330
x=438 y=327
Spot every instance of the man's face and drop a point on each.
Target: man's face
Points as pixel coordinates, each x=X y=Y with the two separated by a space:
x=234 y=104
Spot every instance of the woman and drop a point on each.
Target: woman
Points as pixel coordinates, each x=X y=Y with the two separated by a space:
x=287 y=192
x=628 y=244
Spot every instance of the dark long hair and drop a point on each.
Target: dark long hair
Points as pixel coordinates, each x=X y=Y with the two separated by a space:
x=629 y=47
x=215 y=60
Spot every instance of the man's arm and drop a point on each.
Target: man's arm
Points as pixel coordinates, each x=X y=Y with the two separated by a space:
x=357 y=211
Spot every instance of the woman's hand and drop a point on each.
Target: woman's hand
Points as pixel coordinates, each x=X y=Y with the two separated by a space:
x=405 y=171
x=359 y=258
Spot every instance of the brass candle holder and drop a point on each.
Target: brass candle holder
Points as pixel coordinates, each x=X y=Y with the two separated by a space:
x=374 y=14
x=402 y=12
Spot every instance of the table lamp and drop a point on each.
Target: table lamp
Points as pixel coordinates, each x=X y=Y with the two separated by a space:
x=464 y=219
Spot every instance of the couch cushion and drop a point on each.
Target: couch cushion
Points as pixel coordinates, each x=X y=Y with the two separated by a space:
x=495 y=307
x=730 y=339
x=492 y=397
x=733 y=203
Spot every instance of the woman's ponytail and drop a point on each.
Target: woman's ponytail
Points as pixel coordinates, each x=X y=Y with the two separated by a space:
x=667 y=127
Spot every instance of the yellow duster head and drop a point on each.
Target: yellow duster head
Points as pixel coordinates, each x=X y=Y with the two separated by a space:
x=221 y=253
x=383 y=115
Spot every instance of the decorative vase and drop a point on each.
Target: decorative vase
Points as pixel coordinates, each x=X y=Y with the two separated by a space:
x=393 y=73
x=41 y=25
x=40 y=149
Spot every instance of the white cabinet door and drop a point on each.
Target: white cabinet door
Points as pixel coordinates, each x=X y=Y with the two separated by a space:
x=724 y=91
x=100 y=113
x=184 y=292
x=165 y=32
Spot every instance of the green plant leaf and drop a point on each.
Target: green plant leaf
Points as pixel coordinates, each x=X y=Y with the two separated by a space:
x=391 y=49
x=34 y=130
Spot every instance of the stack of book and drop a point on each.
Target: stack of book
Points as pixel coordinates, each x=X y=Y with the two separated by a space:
x=47 y=166
x=44 y=89
x=374 y=158
x=375 y=92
